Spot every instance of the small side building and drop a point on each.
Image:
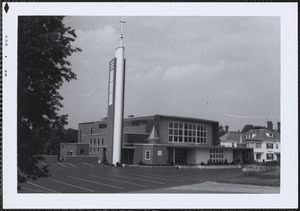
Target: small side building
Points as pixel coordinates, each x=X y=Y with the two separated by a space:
x=231 y=139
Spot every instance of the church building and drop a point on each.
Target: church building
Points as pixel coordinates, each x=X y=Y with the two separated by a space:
x=151 y=140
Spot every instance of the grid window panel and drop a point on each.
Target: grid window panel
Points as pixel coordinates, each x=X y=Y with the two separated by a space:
x=187 y=132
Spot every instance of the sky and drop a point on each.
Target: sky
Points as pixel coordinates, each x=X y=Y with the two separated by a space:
x=225 y=69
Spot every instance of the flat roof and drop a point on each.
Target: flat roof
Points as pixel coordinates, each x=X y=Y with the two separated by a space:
x=159 y=115
x=188 y=118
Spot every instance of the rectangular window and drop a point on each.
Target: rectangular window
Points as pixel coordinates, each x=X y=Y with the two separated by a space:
x=175 y=125
x=270 y=156
x=102 y=125
x=159 y=153
x=258 y=156
x=180 y=139
x=176 y=132
x=180 y=132
x=147 y=154
x=269 y=146
x=185 y=139
x=258 y=145
x=175 y=138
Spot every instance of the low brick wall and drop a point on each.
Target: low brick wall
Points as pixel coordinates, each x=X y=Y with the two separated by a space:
x=77 y=159
x=211 y=167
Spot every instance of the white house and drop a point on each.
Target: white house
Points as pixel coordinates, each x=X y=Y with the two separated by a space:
x=265 y=144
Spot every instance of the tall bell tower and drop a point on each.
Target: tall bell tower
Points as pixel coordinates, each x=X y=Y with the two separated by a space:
x=116 y=103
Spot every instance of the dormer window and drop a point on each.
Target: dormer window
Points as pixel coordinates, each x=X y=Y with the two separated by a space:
x=250 y=135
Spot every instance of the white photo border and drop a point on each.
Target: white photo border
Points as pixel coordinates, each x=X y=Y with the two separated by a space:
x=288 y=197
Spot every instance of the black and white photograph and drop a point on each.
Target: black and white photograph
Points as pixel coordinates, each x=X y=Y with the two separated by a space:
x=116 y=103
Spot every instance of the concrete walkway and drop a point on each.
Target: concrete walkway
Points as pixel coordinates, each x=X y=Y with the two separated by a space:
x=214 y=187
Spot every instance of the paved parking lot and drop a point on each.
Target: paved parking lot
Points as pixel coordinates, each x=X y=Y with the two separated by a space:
x=98 y=178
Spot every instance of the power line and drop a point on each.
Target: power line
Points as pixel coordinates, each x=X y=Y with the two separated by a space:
x=252 y=117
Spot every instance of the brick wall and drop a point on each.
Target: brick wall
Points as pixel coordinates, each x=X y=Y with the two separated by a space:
x=160 y=155
x=75 y=159
x=138 y=154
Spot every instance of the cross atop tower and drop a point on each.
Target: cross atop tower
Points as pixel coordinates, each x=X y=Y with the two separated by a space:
x=122 y=23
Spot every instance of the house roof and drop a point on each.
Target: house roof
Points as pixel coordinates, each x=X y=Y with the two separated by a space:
x=262 y=134
x=231 y=136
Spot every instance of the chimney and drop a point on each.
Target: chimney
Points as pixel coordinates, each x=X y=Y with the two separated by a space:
x=270 y=125
x=278 y=127
x=226 y=129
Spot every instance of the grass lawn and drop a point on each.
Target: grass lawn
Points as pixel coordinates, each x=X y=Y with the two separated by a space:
x=268 y=178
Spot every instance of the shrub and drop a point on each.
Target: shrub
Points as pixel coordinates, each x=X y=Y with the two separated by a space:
x=170 y=163
x=225 y=162
x=118 y=164
x=142 y=163
x=202 y=164
x=272 y=163
x=104 y=162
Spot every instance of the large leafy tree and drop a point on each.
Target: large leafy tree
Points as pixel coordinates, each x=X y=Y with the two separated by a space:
x=246 y=128
x=44 y=43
